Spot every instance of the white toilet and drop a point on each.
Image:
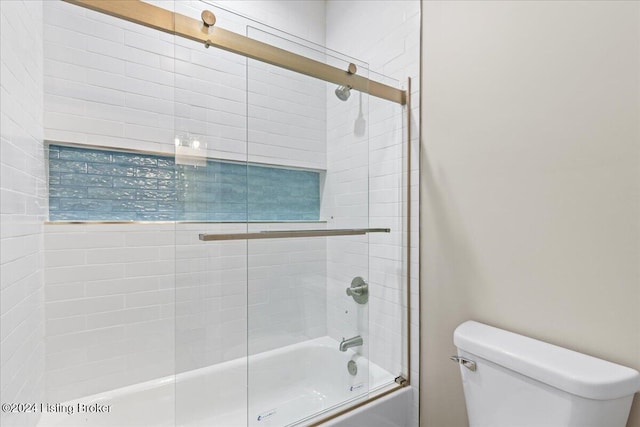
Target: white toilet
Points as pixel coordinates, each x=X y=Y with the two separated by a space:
x=514 y=381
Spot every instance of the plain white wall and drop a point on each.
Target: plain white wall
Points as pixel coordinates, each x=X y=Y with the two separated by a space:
x=23 y=208
x=531 y=181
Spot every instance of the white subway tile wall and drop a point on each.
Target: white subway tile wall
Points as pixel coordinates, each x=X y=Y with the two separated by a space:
x=390 y=47
x=122 y=85
x=236 y=298
x=109 y=306
x=23 y=200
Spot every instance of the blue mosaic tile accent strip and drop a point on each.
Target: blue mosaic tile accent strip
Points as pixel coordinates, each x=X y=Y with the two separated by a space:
x=99 y=185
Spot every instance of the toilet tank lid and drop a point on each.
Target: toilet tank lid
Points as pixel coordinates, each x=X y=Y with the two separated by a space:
x=567 y=370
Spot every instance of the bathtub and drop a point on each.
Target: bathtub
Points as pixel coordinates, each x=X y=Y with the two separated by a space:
x=291 y=386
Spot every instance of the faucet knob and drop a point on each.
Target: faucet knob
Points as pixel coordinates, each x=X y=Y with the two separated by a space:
x=359 y=290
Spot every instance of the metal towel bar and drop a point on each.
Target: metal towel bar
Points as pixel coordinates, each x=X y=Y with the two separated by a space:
x=285 y=234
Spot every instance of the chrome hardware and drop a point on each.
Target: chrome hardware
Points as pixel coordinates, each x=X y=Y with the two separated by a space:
x=469 y=364
x=351 y=342
x=359 y=290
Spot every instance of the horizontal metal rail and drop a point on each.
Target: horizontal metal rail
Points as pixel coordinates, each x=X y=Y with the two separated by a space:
x=175 y=23
x=286 y=234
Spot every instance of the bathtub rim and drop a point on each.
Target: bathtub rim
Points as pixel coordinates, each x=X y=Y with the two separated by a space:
x=371 y=399
x=374 y=393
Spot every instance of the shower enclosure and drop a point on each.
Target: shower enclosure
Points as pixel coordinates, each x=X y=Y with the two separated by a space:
x=263 y=274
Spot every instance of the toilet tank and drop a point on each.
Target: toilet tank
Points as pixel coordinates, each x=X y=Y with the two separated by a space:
x=519 y=381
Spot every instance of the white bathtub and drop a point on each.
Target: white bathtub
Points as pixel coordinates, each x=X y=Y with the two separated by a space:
x=292 y=385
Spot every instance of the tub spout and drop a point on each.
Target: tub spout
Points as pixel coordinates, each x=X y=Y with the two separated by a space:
x=351 y=342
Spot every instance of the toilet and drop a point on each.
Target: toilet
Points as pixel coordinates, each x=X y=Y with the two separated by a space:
x=510 y=380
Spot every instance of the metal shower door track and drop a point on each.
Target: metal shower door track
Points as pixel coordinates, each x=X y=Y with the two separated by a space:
x=181 y=25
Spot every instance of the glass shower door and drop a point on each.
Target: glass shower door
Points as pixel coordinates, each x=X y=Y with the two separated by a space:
x=272 y=315
x=211 y=286
x=307 y=338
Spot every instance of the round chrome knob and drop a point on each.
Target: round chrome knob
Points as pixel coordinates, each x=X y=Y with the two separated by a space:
x=359 y=290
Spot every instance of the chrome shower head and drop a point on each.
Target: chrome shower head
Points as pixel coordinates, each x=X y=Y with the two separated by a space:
x=343 y=92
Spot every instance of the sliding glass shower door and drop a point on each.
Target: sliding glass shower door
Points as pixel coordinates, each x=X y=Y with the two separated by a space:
x=211 y=276
x=307 y=337
x=227 y=241
x=273 y=243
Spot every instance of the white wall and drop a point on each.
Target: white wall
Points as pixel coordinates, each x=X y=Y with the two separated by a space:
x=23 y=208
x=109 y=306
x=531 y=179
x=114 y=83
x=389 y=47
x=285 y=16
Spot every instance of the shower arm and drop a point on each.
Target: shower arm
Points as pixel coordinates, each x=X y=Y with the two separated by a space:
x=202 y=31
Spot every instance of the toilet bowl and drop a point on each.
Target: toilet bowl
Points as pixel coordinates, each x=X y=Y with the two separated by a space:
x=510 y=380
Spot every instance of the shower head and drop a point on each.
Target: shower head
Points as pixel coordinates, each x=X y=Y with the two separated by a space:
x=343 y=92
